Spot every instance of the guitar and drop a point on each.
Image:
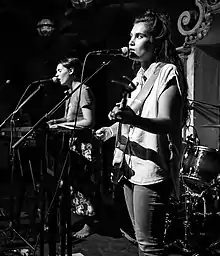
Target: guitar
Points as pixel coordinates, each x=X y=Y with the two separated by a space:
x=118 y=176
x=121 y=141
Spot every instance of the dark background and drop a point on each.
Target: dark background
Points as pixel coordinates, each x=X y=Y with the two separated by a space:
x=25 y=56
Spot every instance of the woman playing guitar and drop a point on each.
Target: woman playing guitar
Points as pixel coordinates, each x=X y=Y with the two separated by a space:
x=151 y=126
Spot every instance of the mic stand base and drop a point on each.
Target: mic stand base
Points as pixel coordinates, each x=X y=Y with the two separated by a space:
x=11 y=237
x=11 y=225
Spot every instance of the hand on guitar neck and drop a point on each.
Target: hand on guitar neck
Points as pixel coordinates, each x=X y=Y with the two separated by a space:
x=105 y=133
x=122 y=113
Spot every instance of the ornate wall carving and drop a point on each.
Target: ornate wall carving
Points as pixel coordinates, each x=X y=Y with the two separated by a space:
x=201 y=29
x=195 y=24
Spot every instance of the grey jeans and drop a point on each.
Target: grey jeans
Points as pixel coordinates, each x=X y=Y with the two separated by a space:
x=147 y=209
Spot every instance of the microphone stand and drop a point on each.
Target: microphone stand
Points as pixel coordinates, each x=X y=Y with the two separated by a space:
x=12 y=155
x=22 y=104
x=204 y=103
x=65 y=240
x=54 y=109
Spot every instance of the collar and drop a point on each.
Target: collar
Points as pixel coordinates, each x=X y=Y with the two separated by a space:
x=146 y=73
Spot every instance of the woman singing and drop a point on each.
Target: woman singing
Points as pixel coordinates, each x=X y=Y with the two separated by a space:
x=150 y=129
x=80 y=113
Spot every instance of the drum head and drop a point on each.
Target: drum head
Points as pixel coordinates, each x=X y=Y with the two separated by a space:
x=200 y=165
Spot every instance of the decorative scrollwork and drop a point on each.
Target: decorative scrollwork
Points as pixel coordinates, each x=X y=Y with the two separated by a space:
x=213 y=5
x=195 y=24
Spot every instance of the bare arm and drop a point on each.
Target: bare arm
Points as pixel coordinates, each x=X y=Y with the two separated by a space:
x=169 y=114
x=57 y=121
x=105 y=133
x=87 y=121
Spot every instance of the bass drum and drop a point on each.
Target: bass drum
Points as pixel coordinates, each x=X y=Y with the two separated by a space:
x=200 y=165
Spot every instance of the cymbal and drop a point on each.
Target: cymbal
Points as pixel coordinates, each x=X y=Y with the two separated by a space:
x=210 y=125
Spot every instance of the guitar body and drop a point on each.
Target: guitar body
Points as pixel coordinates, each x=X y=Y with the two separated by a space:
x=117 y=175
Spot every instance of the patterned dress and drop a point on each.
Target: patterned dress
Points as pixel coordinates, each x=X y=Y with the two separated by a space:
x=86 y=175
x=85 y=156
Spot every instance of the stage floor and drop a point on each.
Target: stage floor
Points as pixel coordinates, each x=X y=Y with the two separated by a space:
x=106 y=240
x=111 y=236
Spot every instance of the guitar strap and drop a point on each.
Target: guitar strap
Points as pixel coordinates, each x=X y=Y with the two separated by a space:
x=123 y=129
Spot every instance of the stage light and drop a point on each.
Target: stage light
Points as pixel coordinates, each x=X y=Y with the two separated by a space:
x=45 y=27
x=81 y=4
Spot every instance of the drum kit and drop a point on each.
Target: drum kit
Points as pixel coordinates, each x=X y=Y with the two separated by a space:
x=193 y=221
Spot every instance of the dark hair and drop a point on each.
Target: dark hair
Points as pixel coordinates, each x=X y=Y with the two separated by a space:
x=158 y=26
x=75 y=63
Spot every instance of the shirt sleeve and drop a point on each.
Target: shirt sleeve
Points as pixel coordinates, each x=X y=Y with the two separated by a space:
x=87 y=98
x=168 y=72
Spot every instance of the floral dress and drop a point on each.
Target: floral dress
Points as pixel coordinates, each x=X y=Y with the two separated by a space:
x=87 y=173
x=84 y=149
x=85 y=167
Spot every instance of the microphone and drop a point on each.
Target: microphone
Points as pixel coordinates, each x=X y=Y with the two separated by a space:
x=6 y=82
x=42 y=81
x=113 y=52
x=128 y=87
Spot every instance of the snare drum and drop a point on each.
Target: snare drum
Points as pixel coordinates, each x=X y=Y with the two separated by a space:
x=200 y=165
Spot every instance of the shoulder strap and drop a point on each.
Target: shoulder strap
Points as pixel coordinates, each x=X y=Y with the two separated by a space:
x=123 y=129
x=145 y=91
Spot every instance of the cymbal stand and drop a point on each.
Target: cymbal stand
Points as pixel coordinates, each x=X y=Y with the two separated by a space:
x=213 y=246
x=191 y=199
x=186 y=223
x=184 y=245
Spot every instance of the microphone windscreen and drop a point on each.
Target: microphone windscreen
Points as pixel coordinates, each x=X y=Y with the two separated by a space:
x=125 y=51
x=55 y=80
